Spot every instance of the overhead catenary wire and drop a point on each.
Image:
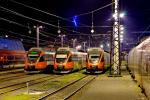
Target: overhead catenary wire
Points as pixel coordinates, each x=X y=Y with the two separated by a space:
x=143 y=32
x=43 y=11
x=41 y=32
x=93 y=11
x=21 y=15
x=20 y=34
x=40 y=10
x=13 y=22
x=29 y=36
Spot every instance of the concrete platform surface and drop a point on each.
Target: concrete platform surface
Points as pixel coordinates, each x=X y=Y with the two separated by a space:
x=111 y=88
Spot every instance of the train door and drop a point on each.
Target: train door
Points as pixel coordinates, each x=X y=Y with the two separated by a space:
x=70 y=63
x=42 y=64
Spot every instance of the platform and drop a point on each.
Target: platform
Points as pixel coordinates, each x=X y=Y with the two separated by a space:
x=111 y=88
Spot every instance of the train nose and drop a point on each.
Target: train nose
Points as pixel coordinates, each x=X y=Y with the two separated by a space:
x=60 y=67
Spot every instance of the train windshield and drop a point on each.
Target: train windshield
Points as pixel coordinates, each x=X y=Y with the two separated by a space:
x=94 y=58
x=33 y=56
x=60 y=58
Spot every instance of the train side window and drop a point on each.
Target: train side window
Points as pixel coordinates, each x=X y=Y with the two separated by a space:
x=41 y=59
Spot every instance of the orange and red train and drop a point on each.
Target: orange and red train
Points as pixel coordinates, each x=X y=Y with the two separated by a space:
x=97 y=60
x=39 y=59
x=68 y=59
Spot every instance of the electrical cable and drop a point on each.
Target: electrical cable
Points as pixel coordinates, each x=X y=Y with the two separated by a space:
x=26 y=27
x=93 y=11
x=42 y=11
x=21 y=15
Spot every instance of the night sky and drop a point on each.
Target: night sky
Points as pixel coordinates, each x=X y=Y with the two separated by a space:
x=136 y=20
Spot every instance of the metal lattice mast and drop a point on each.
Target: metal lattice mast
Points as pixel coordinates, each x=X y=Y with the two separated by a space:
x=115 y=47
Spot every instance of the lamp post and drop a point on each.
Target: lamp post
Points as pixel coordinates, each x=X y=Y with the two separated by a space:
x=74 y=42
x=84 y=45
x=92 y=30
x=62 y=39
x=37 y=34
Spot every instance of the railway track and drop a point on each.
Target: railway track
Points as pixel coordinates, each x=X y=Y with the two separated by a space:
x=13 y=77
x=68 y=90
x=10 y=88
x=11 y=72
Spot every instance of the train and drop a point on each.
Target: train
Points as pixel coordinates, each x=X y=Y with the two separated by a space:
x=12 y=53
x=139 y=65
x=39 y=60
x=97 y=60
x=68 y=60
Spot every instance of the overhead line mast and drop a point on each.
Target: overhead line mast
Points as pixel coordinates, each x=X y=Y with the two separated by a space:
x=115 y=46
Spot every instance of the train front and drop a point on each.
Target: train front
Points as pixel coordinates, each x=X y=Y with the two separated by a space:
x=32 y=63
x=63 y=63
x=95 y=62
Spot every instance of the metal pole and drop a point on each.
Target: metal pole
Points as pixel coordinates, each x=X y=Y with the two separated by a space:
x=115 y=56
x=27 y=87
x=37 y=33
x=73 y=43
x=84 y=45
x=61 y=40
x=89 y=41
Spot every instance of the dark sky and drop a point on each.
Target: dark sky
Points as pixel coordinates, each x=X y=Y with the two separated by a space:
x=137 y=17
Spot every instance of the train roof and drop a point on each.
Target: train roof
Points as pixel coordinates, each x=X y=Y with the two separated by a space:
x=94 y=49
x=145 y=42
x=10 y=44
x=42 y=49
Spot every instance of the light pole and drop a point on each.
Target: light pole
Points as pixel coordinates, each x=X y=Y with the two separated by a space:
x=89 y=41
x=62 y=39
x=74 y=42
x=37 y=34
x=84 y=44
x=92 y=30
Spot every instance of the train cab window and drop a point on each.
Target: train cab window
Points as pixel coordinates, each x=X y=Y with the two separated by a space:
x=41 y=59
x=70 y=59
x=102 y=59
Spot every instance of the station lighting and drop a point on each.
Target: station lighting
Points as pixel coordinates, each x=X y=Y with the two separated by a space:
x=121 y=36
x=75 y=20
x=58 y=31
x=78 y=47
x=121 y=27
x=121 y=33
x=29 y=32
x=6 y=36
x=108 y=44
x=121 y=15
x=21 y=39
x=101 y=46
x=92 y=30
